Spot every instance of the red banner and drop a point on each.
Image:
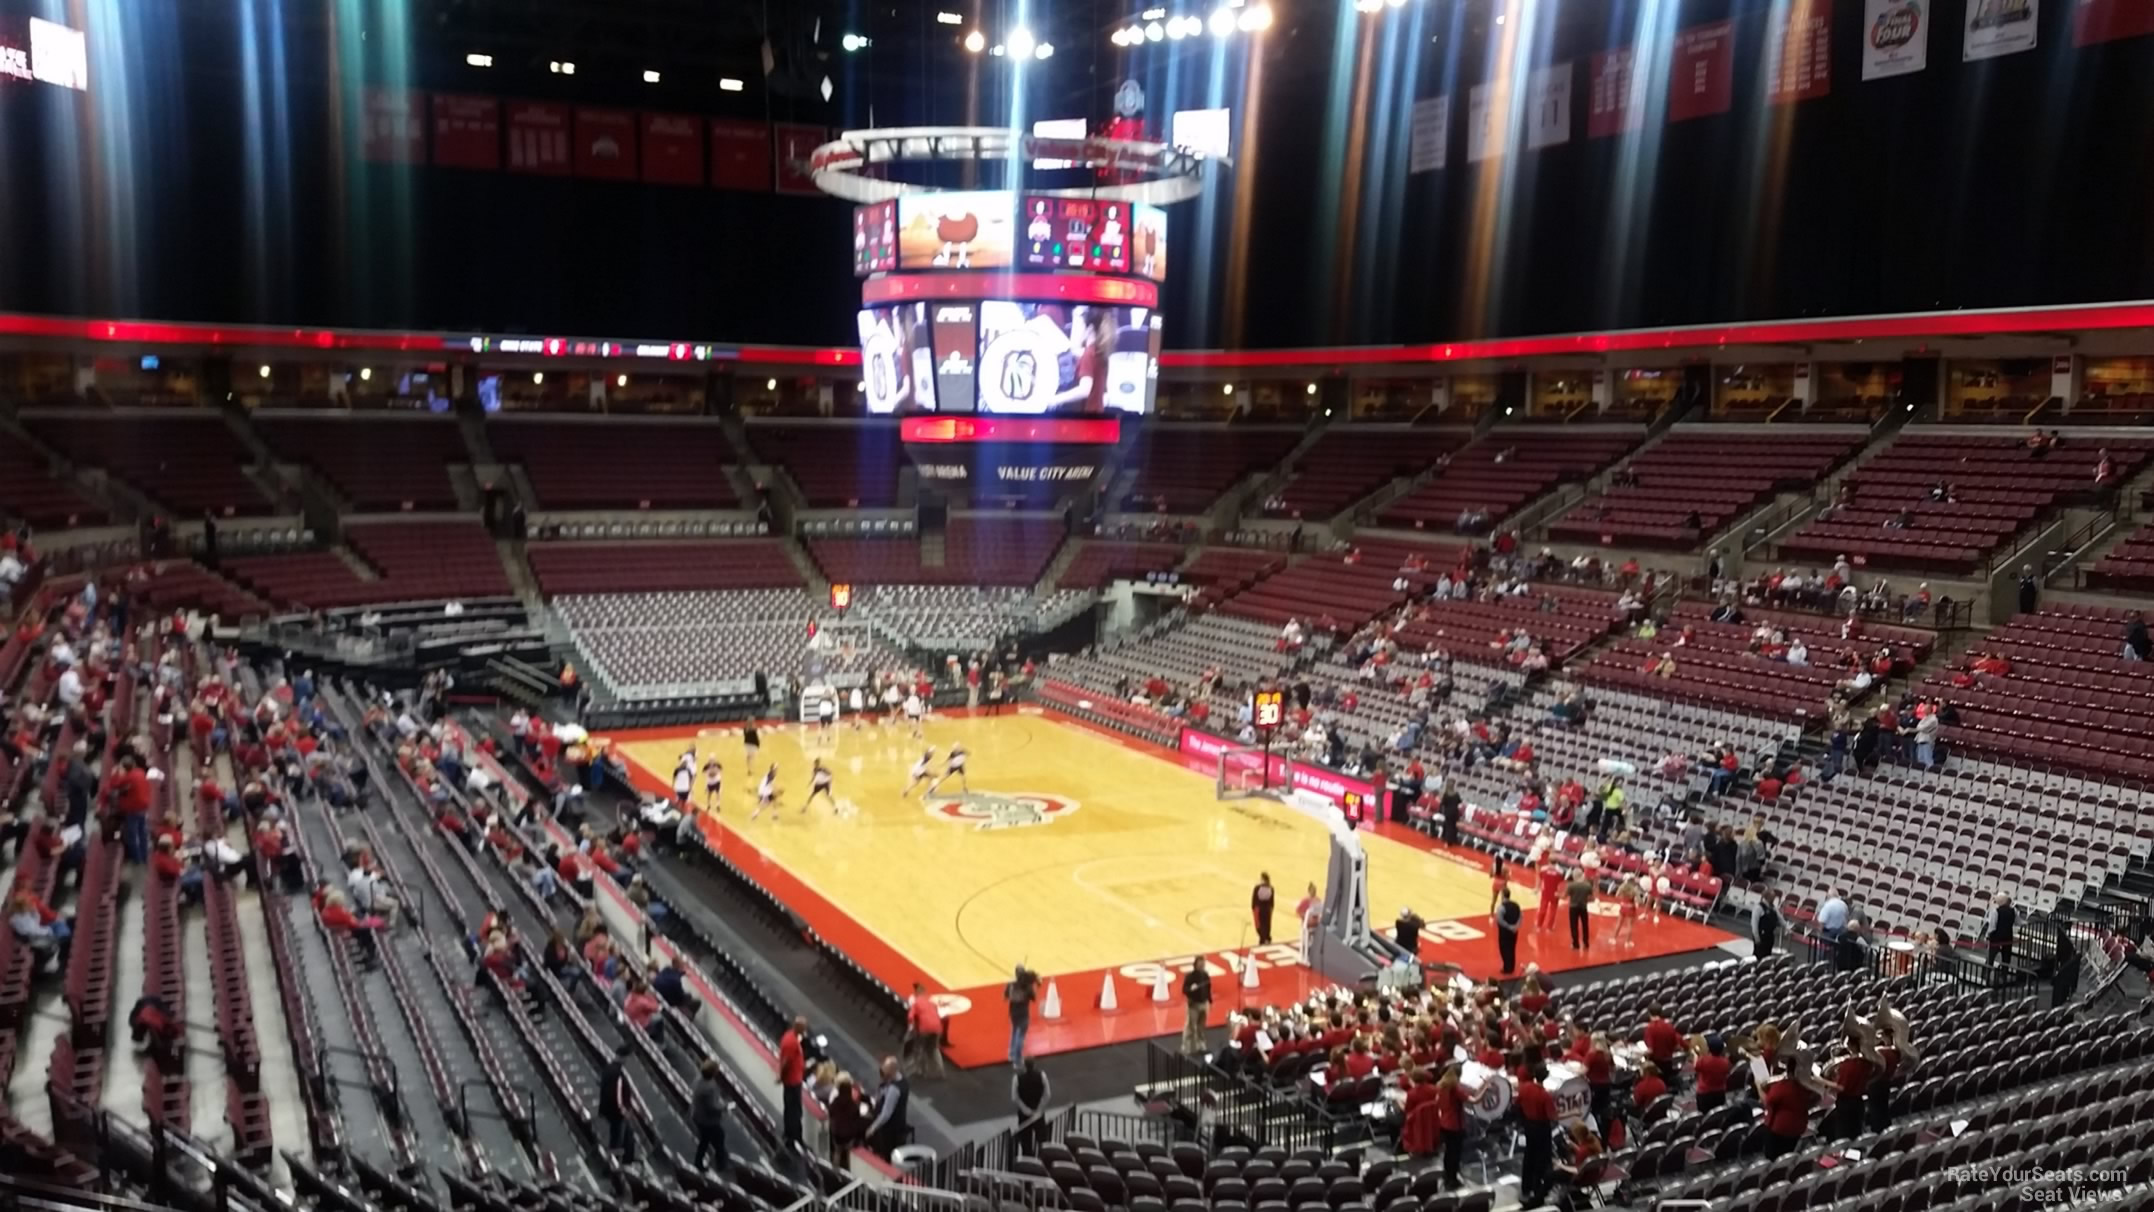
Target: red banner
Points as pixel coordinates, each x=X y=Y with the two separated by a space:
x=1701 y=80
x=740 y=155
x=1798 y=53
x=538 y=138
x=605 y=144
x=1615 y=104
x=394 y=126
x=795 y=143
x=2107 y=20
x=673 y=149
x=467 y=131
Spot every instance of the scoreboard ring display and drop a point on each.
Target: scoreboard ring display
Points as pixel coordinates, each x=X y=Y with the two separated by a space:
x=1018 y=303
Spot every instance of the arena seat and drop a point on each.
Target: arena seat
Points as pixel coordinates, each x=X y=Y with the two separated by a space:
x=1183 y=469
x=184 y=584
x=377 y=463
x=31 y=492
x=1099 y=561
x=2070 y=699
x=1318 y=587
x=1718 y=476
x=418 y=562
x=620 y=463
x=613 y=567
x=1349 y=462
x=1503 y=470
x=1998 y=487
x=977 y=551
x=846 y=467
x=188 y=462
x=1565 y=618
x=2129 y=566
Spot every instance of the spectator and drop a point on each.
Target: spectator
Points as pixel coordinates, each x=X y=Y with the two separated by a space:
x=1832 y=917
x=37 y=926
x=1030 y=1091
x=707 y=1110
x=889 y=1128
x=792 y=1069
x=848 y=1121
x=923 y=1032
x=614 y=1096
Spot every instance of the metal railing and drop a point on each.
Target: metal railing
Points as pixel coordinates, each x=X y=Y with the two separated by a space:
x=1205 y=1097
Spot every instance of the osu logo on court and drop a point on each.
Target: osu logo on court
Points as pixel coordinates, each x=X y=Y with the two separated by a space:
x=1001 y=809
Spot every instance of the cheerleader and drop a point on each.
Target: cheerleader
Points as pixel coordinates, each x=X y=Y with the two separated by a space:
x=713 y=783
x=819 y=785
x=953 y=767
x=923 y=771
x=1628 y=897
x=766 y=794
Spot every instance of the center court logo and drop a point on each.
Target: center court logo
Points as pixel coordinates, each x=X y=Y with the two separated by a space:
x=1001 y=809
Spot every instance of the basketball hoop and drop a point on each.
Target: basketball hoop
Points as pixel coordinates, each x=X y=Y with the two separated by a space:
x=1163 y=173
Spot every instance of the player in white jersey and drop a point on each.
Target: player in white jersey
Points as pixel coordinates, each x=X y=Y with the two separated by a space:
x=860 y=707
x=819 y=785
x=952 y=767
x=914 y=709
x=892 y=699
x=767 y=793
x=684 y=783
x=826 y=712
x=713 y=784
x=923 y=771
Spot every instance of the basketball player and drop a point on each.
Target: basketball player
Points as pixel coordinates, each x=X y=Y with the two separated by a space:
x=827 y=711
x=713 y=783
x=684 y=782
x=913 y=710
x=860 y=706
x=923 y=771
x=766 y=794
x=952 y=767
x=819 y=785
x=892 y=700
x=750 y=742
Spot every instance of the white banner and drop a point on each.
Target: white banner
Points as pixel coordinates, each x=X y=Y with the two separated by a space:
x=2000 y=27
x=1548 y=106
x=1895 y=37
x=1429 y=143
x=1484 y=138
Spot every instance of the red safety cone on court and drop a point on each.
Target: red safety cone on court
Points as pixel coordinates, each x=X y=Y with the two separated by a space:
x=1159 y=987
x=1051 y=1008
x=1107 y=1003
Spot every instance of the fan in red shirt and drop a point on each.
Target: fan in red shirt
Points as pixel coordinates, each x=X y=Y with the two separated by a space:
x=1663 y=1043
x=1712 y=1074
x=1537 y=1115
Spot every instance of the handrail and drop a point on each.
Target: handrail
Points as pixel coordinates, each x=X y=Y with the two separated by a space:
x=1774 y=415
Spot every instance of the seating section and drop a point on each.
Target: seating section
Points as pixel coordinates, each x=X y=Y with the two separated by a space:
x=847 y=468
x=1229 y=569
x=189 y=463
x=1560 y=619
x=660 y=645
x=1185 y=469
x=1320 y=587
x=1996 y=488
x=1503 y=470
x=186 y=585
x=586 y=568
x=2069 y=699
x=1099 y=561
x=1718 y=476
x=417 y=562
x=612 y=463
x=2129 y=566
x=1350 y=462
x=32 y=493
x=976 y=551
x=377 y=463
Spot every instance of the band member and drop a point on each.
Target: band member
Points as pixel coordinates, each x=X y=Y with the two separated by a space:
x=767 y=794
x=923 y=771
x=819 y=785
x=953 y=767
x=713 y=783
x=750 y=741
x=1260 y=906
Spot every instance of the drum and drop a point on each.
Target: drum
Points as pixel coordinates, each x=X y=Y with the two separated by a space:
x=1488 y=1091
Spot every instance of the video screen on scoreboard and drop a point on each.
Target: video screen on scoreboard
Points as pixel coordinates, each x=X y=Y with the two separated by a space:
x=875 y=238
x=1076 y=233
x=1148 y=247
x=1038 y=358
x=897 y=358
x=962 y=230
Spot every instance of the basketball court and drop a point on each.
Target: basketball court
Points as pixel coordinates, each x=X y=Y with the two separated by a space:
x=1082 y=854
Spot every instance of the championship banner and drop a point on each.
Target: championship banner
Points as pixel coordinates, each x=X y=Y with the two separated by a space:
x=1548 y=106
x=2000 y=27
x=740 y=155
x=467 y=132
x=2108 y=20
x=538 y=138
x=1798 y=53
x=1429 y=143
x=393 y=129
x=794 y=144
x=1483 y=139
x=672 y=149
x=1896 y=37
x=1701 y=78
x=605 y=144
x=1615 y=105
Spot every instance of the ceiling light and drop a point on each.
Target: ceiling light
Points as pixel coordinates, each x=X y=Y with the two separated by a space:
x=1045 y=50
x=728 y=84
x=1155 y=31
x=265 y=370
x=949 y=19
x=1254 y=18
x=620 y=381
x=976 y=42
x=538 y=376
x=996 y=50
x=852 y=42
x=1396 y=3
x=478 y=60
x=825 y=89
x=1312 y=389
x=365 y=373
x=770 y=385
x=567 y=68
x=1367 y=6
x=1020 y=42
x=1120 y=37
x=1227 y=390
x=1222 y=22
x=1176 y=30
x=1154 y=14
x=1499 y=18
x=650 y=76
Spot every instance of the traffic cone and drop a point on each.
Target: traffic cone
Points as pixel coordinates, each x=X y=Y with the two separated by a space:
x=1107 y=1003
x=1052 y=1007
x=1159 y=987
x=1249 y=976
